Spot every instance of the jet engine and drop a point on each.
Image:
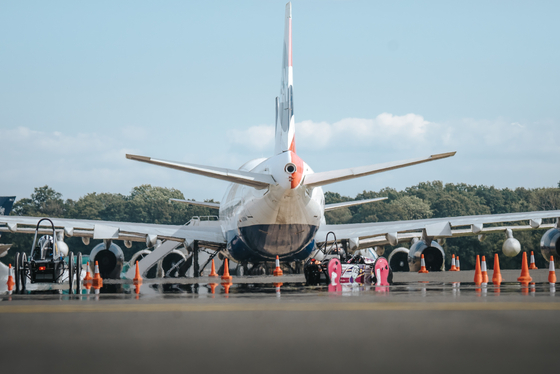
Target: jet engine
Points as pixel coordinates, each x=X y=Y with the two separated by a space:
x=550 y=244
x=398 y=259
x=434 y=256
x=175 y=264
x=110 y=260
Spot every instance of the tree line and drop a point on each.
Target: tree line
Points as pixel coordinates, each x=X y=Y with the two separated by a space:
x=147 y=204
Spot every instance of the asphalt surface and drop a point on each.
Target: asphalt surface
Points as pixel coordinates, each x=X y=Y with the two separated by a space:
x=422 y=324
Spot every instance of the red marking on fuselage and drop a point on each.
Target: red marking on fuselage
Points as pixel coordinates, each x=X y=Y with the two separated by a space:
x=293 y=145
x=298 y=174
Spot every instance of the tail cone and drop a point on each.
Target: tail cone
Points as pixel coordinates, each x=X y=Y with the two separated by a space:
x=524 y=277
x=532 y=265
x=497 y=276
x=477 y=272
x=277 y=272
x=551 y=271
x=423 y=269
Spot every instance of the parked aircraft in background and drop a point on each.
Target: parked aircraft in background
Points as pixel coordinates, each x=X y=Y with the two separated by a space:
x=275 y=207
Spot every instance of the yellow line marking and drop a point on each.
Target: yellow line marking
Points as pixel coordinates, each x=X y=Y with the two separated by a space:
x=291 y=307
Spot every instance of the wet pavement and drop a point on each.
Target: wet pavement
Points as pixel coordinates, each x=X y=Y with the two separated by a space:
x=437 y=322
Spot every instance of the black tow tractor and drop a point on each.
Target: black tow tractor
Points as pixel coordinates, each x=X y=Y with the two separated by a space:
x=47 y=263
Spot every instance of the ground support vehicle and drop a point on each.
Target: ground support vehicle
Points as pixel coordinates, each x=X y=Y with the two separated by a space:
x=337 y=267
x=49 y=262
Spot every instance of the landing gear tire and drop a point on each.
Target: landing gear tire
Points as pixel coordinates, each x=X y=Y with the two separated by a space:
x=79 y=273
x=70 y=273
x=240 y=270
x=23 y=272
x=299 y=267
x=17 y=272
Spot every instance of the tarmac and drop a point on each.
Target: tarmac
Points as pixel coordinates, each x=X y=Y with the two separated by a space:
x=433 y=323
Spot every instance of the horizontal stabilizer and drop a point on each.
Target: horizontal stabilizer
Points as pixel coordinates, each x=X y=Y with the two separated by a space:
x=256 y=180
x=198 y=203
x=352 y=203
x=328 y=177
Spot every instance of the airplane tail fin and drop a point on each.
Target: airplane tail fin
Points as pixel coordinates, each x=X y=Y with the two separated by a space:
x=6 y=204
x=285 y=125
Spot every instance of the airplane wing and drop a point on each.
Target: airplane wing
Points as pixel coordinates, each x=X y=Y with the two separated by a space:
x=365 y=235
x=204 y=231
x=256 y=180
x=346 y=204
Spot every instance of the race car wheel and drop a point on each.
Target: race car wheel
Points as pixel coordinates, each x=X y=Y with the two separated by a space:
x=23 y=271
x=79 y=273
x=70 y=273
x=17 y=271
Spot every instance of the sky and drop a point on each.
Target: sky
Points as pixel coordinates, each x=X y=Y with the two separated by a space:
x=84 y=83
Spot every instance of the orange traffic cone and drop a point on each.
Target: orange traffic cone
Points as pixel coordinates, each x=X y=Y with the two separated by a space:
x=137 y=280
x=457 y=264
x=453 y=267
x=226 y=276
x=551 y=271
x=423 y=269
x=213 y=270
x=497 y=276
x=97 y=280
x=277 y=272
x=11 y=282
x=484 y=270
x=524 y=277
x=87 y=279
x=532 y=265
x=477 y=272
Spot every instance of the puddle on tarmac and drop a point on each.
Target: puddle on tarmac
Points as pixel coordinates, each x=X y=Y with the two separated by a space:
x=397 y=292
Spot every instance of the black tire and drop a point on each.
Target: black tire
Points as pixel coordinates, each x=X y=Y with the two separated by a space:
x=23 y=271
x=79 y=273
x=70 y=273
x=17 y=271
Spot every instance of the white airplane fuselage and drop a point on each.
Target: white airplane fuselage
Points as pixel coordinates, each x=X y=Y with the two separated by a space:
x=280 y=220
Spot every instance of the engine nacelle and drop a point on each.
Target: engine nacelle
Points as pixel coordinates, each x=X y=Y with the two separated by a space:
x=175 y=264
x=511 y=246
x=434 y=256
x=110 y=260
x=550 y=244
x=398 y=259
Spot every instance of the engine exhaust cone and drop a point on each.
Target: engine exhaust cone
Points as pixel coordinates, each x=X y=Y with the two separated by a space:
x=532 y=265
x=524 y=277
x=423 y=269
x=277 y=272
x=477 y=272
x=497 y=275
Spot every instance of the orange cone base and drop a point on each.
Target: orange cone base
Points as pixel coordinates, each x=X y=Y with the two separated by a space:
x=278 y=272
x=533 y=266
x=423 y=271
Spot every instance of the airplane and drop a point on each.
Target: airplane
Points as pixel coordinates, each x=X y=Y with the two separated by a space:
x=276 y=207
